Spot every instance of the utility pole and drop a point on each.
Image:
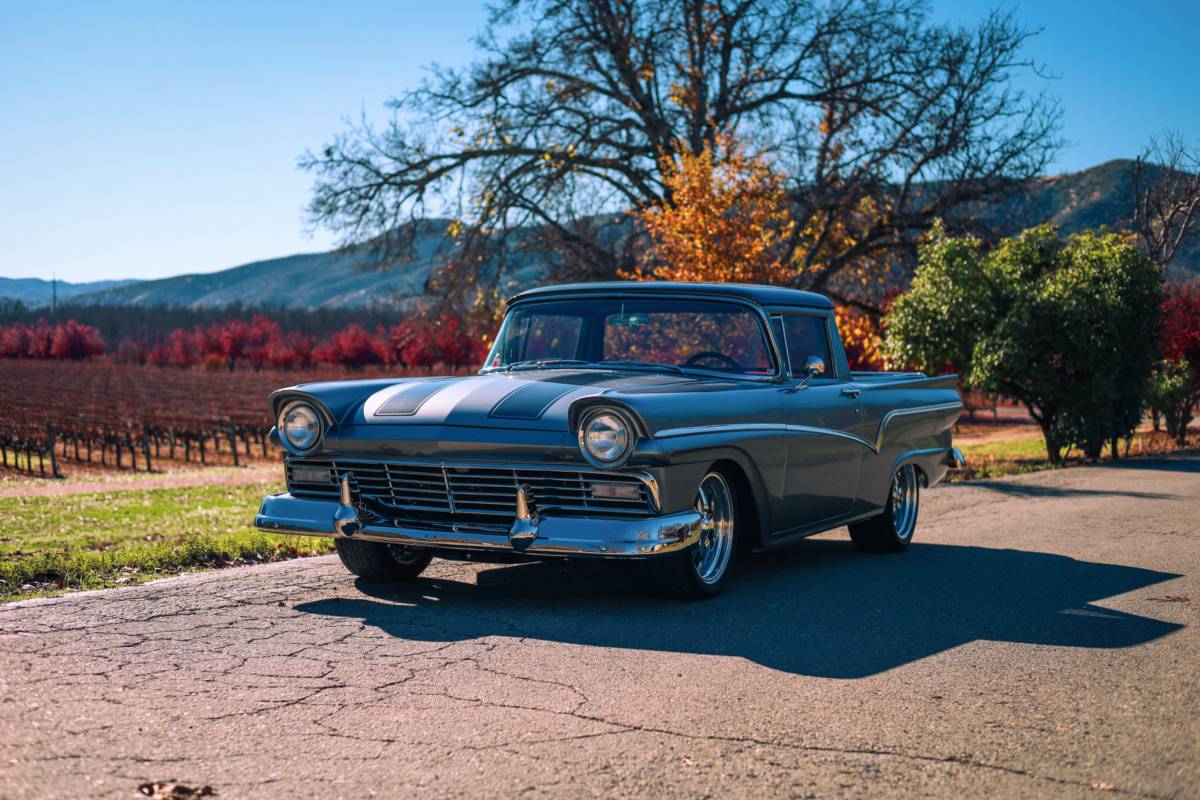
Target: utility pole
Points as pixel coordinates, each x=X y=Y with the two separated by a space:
x=54 y=294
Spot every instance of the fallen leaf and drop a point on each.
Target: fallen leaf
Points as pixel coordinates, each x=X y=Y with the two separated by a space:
x=170 y=790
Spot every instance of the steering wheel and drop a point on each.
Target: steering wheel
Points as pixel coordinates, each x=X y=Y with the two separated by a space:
x=691 y=362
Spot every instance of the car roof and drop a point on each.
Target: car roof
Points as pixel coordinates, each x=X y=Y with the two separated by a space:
x=763 y=295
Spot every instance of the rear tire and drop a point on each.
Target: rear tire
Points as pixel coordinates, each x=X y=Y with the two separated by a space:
x=379 y=561
x=892 y=531
x=701 y=571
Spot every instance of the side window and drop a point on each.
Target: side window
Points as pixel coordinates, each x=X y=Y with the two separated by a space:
x=807 y=336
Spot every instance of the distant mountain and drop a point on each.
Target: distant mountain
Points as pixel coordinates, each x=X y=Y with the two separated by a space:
x=37 y=292
x=1093 y=198
x=312 y=280
x=1075 y=201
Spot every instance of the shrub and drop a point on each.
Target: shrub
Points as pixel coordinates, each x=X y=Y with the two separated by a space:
x=258 y=343
x=1172 y=395
x=74 y=341
x=427 y=343
x=1175 y=387
x=1064 y=326
x=68 y=340
x=353 y=347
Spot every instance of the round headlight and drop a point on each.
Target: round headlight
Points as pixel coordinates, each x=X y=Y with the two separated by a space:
x=605 y=436
x=300 y=425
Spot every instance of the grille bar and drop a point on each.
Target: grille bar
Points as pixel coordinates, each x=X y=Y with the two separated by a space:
x=478 y=497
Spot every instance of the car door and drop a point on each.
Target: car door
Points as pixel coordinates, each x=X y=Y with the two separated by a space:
x=824 y=426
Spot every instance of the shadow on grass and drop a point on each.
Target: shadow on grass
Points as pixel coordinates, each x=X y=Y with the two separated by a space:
x=819 y=608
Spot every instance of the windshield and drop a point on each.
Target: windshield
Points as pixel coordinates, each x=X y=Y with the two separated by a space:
x=666 y=333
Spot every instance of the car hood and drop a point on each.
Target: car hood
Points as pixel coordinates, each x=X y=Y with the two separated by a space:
x=534 y=399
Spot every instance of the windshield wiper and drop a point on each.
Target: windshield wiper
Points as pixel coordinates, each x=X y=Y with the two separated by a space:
x=541 y=363
x=639 y=365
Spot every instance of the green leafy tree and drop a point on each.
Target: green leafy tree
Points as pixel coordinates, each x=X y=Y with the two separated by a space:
x=1066 y=327
x=1172 y=396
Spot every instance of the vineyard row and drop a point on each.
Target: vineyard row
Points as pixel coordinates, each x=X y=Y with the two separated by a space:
x=121 y=416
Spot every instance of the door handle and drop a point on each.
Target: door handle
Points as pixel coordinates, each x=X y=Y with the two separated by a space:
x=850 y=391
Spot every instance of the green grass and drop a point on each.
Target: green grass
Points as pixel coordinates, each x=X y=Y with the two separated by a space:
x=91 y=541
x=1018 y=456
x=1006 y=457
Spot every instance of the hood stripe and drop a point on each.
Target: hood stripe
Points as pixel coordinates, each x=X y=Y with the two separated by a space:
x=531 y=400
x=410 y=398
x=443 y=403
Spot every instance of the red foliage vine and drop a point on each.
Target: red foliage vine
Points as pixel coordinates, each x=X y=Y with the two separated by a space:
x=257 y=343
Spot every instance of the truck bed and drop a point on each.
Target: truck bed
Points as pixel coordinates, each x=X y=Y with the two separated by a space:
x=906 y=378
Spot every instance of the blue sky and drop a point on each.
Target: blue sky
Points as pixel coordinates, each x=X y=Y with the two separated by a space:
x=146 y=139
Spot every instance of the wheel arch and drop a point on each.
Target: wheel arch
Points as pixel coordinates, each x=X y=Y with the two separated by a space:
x=750 y=498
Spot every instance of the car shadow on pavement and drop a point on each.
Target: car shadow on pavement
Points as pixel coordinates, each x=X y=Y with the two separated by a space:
x=1036 y=490
x=1179 y=461
x=819 y=608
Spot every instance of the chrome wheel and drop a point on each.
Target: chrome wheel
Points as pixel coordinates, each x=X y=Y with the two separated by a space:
x=714 y=502
x=905 y=498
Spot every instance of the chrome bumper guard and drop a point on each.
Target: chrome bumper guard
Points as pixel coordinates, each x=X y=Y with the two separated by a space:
x=531 y=534
x=954 y=459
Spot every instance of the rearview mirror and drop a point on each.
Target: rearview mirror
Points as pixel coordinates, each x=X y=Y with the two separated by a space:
x=629 y=320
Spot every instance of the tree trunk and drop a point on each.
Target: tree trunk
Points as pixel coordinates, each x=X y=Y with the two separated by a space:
x=1053 y=454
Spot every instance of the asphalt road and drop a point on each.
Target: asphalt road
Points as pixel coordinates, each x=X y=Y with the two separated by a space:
x=1039 y=639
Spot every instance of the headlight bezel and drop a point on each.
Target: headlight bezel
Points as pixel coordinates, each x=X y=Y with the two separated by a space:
x=280 y=425
x=631 y=432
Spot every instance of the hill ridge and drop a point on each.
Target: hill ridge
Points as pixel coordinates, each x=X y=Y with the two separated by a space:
x=1090 y=198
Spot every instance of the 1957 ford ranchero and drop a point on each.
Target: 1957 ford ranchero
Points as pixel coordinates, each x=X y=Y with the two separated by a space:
x=665 y=422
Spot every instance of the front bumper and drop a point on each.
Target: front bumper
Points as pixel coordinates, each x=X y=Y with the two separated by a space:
x=547 y=536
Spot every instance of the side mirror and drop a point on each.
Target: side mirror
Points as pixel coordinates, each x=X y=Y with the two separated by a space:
x=813 y=367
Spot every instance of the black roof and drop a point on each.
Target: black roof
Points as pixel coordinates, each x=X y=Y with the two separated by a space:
x=763 y=295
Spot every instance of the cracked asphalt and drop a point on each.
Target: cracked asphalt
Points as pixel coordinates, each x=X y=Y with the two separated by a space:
x=1038 y=639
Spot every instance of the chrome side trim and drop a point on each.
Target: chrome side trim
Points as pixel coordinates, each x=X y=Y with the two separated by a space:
x=909 y=411
x=748 y=427
x=911 y=454
x=830 y=432
x=555 y=536
x=731 y=428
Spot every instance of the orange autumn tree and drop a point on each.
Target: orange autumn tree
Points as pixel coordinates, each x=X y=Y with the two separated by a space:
x=726 y=219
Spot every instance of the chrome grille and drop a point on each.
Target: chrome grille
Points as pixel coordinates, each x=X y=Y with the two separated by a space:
x=467 y=496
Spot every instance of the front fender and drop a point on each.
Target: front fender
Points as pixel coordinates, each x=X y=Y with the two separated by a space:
x=759 y=456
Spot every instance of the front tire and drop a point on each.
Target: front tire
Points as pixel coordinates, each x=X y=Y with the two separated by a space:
x=379 y=561
x=701 y=571
x=892 y=531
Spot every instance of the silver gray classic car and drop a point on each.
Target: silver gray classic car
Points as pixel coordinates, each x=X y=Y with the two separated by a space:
x=664 y=422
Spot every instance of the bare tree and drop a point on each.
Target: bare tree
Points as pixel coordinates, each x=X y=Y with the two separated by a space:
x=1166 y=190
x=563 y=125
